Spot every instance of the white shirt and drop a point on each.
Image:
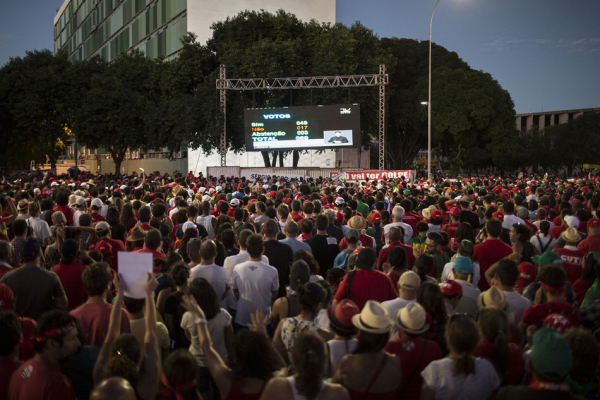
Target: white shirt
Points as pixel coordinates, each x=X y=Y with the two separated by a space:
x=511 y=219
x=216 y=327
x=217 y=276
x=40 y=228
x=229 y=264
x=468 y=301
x=516 y=306
x=441 y=379
x=537 y=223
x=206 y=222
x=407 y=232
x=338 y=348
x=447 y=273
x=76 y=216
x=545 y=240
x=255 y=281
x=393 y=306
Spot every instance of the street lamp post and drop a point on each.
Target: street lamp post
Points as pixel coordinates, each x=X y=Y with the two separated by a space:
x=429 y=174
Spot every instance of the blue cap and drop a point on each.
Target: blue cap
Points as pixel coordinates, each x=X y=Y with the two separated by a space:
x=463 y=265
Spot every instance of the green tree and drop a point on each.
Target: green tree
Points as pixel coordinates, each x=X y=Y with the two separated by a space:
x=113 y=113
x=35 y=118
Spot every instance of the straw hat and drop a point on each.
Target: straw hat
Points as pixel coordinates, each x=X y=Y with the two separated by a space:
x=137 y=234
x=412 y=319
x=492 y=297
x=570 y=235
x=373 y=318
x=357 y=222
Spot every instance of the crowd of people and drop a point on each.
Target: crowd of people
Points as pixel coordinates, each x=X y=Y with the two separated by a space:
x=461 y=288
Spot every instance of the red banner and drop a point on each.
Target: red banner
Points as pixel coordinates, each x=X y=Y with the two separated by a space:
x=371 y=175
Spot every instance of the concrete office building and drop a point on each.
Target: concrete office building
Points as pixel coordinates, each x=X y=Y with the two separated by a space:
x=525 y=122
x=84 y=28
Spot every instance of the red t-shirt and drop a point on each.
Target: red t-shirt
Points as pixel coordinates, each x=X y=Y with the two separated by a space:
x=155 y=254
x=367 y=285
x=363 y=240
x=7 y=367
x=94 y=319
x=516 y=365
x=535 y=314
x=37 y=381
x=68 y=212
x=580 y=288
x=385 y=253
x=592 y=243
x=488 y=253
x=26 y=350
x=304 y=236
x=451 y=229
x=571 y=262
x=96 y=217
x=415 y=354
x=557 y=230
x=412 y=220
x=4 y=269
x=70 y=277
x=297 y=217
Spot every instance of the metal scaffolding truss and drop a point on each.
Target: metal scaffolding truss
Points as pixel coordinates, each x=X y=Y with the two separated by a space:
x=312 y=82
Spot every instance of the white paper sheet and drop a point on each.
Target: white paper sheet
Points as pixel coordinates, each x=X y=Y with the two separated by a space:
x=134 y=269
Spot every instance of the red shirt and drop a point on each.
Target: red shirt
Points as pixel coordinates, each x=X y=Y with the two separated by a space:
x=415 y=354
x=37 y=381
x=155 y=254
x=385 y=253
x=94 y=319
x=68 y=212
x=451 y=229
x=557 y=230
x=591 y=243
x=26 y=352
x=580 y=288
x=297 y=217
x=363 y=240
x=535 y=314
x=96 y=217
x=412 y=220
x=116 y=246
x=516 y=365
x=4 y=269
x=367 y=285
x=488 y=253
x=572 y=262
x=304 y=236
x=70 y=277
x=7 y=367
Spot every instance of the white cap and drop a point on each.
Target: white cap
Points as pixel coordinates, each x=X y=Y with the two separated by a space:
x=218 y=188
x=234 y=202
x=187 y=225
x=96 y=203
x=36 y=190
x=80 y=200
x=211 y=191
x=71 y=184
x=572 y=221
x=123 y=187
x=206 y=198
x=202 y=190
x=337 y=189
x=339 y=201
x=265 y=180
x=54 y=184
x=84 y=185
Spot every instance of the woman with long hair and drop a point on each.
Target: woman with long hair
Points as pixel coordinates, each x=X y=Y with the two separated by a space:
x=466 y=249
x=181 y=245
x=252 y=358
x=543 y=241
x=494 y=346
x=118 y=231
x=307 y=382
x=423 y=267
x=178 y=379
x=313 y=264
x=173 y=311
x=218 y=323
x=128 y=217
x=459 y=375
x=398 y=264
x=343 y=343
x=310 y=297
x=369 y=373
x=520 y=235
x=431 y=298
x=464 y=232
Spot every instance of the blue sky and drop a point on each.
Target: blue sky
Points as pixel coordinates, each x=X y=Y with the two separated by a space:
x=546 y=53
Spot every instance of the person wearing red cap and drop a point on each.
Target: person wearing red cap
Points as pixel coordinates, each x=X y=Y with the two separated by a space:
x=571 y=256
x=592 y=243
x=343 y=343
x=552 y=280
x=452 y=292
x=452 y=227
x=375 y=231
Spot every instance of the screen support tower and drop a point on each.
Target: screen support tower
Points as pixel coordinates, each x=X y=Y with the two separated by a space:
x=311 y=82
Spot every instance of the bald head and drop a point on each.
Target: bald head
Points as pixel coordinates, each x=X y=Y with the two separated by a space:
x=114 y=388
x=208 y=251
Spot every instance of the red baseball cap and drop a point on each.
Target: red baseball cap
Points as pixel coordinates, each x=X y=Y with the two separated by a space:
x=498 y=215
x=339 y=216
x=455 y=211
x=272 y=193
x=6 y=298
x=436 y=214
x=103 y=247
x=376 y=217
x=593 y=223
x=558 y=323
x=451 y=287
x=527 y=274
x=46 y=192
